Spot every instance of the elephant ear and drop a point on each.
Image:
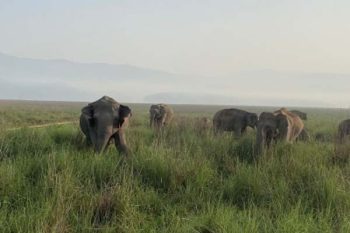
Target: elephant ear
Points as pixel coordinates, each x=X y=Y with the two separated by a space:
x=124 y=112
x=154 y=108
x=252 y=119
x=88 y=112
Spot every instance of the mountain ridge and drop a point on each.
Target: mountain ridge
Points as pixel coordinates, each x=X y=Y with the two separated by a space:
x=65 y=80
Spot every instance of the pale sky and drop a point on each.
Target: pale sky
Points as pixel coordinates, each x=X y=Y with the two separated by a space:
x=260 y=52
x=200 y=37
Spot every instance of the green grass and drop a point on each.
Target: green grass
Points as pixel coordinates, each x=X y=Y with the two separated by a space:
x=183 y=180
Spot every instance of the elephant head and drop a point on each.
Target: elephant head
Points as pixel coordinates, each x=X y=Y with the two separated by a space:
x=102 y=120
x=270 y=127
x=251 y=119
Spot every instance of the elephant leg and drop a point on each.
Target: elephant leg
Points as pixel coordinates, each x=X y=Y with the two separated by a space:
x=159 y=124
x=269 y=141
x=164 y=118
x=344 y=135
x=88 y=140
x=217 y=131
x=341 y=136
x=217 y=128
x=120 y=142
x=243 y=130
x=151 y=121
x=303 y=136
x=237 y=131
x=108 y=143
x=270 y=138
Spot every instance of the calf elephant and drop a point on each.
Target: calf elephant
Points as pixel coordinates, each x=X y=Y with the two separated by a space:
x=202 y=124
x=160 y=115
x=343 y=130
x=281 y=125
x=235 y=120
x=304 y=136
x=104 y=120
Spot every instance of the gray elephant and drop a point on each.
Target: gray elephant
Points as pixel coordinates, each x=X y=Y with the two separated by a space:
x=301 y=114
x=160 y=115
x=104 y=120
x=235 y=120
x=281 y=125
x=343 y=131
x=304 y=135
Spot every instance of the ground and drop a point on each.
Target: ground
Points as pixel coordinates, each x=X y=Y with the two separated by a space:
x=183 y=180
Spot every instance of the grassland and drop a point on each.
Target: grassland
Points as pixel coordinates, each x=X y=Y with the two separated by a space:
x=184 y=180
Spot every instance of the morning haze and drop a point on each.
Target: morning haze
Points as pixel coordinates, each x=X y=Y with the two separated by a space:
x=202 y=52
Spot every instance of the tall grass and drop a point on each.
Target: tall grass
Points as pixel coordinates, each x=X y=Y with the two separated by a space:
x=179 y=180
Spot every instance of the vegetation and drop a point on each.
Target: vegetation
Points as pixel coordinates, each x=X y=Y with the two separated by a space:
x=181 y=180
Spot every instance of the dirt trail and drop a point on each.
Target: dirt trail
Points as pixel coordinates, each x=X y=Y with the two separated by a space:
x=43 y=125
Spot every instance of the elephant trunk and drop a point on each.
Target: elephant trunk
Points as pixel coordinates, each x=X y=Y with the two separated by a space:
x=102 y=139
x=340 y=136
x=264 y=138
x=100 y=145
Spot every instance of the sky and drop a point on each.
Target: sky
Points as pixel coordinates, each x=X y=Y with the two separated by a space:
x=210 y=38
x=184 y=36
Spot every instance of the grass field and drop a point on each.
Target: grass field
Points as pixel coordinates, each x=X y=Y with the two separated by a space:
x=184 y=180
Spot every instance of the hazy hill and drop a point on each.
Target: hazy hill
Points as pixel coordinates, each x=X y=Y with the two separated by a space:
x=40 y=79
x=28 y=68
x=66 y=80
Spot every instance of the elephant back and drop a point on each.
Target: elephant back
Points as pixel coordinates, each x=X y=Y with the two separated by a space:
x=229 y=114
x=302 y=115
x=105 y=101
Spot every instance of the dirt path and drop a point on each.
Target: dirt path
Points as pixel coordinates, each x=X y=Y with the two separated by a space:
x=43 y=125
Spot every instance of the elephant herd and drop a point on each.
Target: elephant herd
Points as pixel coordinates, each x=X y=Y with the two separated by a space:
x=105 y=120
x=281 y=125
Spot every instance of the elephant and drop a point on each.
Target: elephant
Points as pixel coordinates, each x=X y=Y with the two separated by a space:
x=160 y=115
x=235 y=120
x=104 y=120
x=343 y=130
x=304 y=135
x=301 y=114
x=202 y=124
x=280 y=125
